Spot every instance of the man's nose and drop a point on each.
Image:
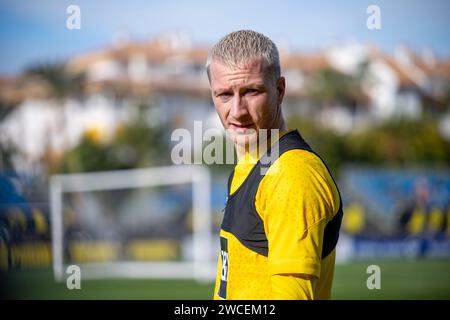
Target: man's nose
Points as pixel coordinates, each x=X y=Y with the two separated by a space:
x=238 y=107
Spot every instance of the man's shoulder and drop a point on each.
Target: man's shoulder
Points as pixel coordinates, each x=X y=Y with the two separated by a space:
x=300 y=179
x=297 y=162
x=302 y=169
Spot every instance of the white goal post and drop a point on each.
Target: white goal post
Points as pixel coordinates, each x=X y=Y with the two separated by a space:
x=201 y=267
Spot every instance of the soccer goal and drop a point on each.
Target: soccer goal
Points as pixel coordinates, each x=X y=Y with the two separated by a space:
x=140 y=223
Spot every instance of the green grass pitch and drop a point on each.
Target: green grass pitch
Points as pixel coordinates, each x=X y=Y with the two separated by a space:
x=417 y=279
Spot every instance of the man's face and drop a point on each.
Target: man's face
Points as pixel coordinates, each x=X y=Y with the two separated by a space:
x=246 y=99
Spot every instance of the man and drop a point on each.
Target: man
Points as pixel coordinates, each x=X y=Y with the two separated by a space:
x=280 y=227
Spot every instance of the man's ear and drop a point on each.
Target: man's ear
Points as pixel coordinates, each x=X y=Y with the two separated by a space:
x=281 y=89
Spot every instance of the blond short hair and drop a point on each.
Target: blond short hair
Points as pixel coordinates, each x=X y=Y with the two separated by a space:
x=239 y=47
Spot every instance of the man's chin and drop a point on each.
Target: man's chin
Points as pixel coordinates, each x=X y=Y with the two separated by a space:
x=243 y=138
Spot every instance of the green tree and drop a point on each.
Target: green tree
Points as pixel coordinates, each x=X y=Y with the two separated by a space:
x=135 y=144
x=330 y=86
x=397 y=142
x=62 y=83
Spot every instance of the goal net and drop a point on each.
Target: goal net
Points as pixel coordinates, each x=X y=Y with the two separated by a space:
x=141 y=223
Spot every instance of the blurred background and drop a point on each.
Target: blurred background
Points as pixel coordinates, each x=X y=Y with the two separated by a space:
x=103 y=91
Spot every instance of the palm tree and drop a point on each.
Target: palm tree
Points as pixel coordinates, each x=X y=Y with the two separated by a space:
x=330 y=86
x=62 y=83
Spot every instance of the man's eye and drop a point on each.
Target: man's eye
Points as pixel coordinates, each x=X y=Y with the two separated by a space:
x=224 y=95
x=251 y=91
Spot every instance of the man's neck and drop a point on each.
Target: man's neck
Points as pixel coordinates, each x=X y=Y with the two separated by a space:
x=252 y=152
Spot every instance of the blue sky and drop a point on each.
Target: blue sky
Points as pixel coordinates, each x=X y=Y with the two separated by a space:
x=35 y=31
